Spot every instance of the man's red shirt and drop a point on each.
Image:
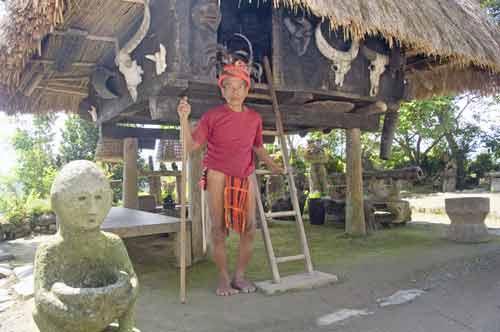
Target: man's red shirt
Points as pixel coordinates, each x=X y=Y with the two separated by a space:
x=230 y=137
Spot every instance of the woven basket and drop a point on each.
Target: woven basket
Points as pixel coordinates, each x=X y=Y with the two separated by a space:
x=109 y=150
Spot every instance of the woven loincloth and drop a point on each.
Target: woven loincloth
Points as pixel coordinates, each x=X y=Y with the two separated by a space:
x=236 y=203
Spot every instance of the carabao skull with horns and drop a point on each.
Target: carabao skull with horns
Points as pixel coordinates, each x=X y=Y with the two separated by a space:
x=341 y=61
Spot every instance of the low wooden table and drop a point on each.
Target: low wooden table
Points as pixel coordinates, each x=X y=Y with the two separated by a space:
x=128 y=223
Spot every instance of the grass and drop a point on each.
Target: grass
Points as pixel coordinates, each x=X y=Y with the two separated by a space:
x=330 y=247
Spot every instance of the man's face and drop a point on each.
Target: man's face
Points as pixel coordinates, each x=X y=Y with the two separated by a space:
x=234 y=90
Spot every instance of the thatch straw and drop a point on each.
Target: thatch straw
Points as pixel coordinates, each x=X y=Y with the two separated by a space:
x=23 y=25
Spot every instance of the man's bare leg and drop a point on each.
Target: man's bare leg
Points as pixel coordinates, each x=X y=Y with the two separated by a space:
x=215 y=188
x=246 y=244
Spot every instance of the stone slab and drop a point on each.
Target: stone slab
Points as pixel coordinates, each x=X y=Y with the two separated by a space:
x=4 y=296
x=5 y=256
x=26 y=287
x=23 y=271
x=6 y=305
x=5 y=272
x=301 y=281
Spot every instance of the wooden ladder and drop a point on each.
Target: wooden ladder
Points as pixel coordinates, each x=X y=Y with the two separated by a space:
x=305 y=255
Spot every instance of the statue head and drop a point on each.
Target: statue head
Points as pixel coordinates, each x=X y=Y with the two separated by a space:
x=81 y=196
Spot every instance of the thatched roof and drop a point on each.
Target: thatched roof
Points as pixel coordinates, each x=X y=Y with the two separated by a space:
x=460 y=46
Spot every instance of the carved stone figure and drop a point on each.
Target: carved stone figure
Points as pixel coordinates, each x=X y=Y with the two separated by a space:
x=449 y=175
x=84 y=279
x=341 y=61
x=206 y=18
x=318 y=179
x=301 y=31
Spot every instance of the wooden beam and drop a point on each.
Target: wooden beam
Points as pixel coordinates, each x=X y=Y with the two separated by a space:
x=76 y=92
x=378 y=107
x=354 y=210
x=130 y=190
x=159 y=173
x=391 y=121
x=72 y=45
x=114 y=131
x=195 y=173
x=296 y=117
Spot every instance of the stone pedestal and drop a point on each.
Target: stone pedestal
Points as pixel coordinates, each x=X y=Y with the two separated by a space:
x=467 y=217
x=494 y=181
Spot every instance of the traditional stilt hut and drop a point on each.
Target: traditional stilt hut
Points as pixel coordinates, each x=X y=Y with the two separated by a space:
x=336 y=64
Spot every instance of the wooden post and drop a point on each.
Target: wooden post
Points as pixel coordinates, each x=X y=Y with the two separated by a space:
x=355 y=217
x=195 y=172
x=130 y=194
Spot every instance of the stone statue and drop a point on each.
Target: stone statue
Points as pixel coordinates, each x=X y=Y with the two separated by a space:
x=84 y=280
x=316 y=156
x=449 y=175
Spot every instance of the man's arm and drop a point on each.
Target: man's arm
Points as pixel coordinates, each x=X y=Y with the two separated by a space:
x=264 y=156
x=184 y=109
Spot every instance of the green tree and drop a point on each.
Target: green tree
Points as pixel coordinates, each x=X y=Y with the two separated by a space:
x=79 y=140
x=493 y=8
x=35 y=168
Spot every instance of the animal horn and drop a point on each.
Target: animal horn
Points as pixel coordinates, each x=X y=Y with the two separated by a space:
x=132 y=44
x=250 y=47
x=368 y=53
x=331 y=53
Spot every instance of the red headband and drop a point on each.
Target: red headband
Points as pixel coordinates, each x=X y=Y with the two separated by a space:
x=239 y=69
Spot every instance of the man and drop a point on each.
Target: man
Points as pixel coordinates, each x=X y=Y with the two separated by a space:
x=232 y=132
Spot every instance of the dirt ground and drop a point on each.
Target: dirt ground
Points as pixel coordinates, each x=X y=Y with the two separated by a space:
x=375 y=269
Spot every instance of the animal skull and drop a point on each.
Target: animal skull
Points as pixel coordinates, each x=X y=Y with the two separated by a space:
x=160 y=59
x=341 y=61
x=128 y=67
x=378 y=63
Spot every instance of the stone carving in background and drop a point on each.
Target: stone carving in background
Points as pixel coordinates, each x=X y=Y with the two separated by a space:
x=84 y=279
x=301 y=31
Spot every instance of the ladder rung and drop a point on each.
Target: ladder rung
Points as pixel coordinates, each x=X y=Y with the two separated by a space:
x=281 y=214
x=270 y=133
x=262 y=172
x=257 y=95
x=289 y=258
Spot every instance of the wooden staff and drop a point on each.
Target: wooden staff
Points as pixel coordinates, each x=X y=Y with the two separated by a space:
x=183 y=219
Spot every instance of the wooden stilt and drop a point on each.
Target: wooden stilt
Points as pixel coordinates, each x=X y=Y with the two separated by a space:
x=130 y=194
x=355 y=217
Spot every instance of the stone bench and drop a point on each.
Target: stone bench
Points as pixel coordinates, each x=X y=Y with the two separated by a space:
x=129 y=223
x=467 y=215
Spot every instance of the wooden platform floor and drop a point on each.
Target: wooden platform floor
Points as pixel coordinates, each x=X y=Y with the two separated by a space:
x=133 y=223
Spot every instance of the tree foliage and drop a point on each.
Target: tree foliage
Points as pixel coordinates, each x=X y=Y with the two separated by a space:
x=35 y=168
x=79 y=140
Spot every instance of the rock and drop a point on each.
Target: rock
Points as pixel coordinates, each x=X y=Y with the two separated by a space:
x=4 y=296
x=400 y=297
x=340 y=315
x=4 y=282
x=23 y=271
x=26 y=287
x=5 y=272
x=5 y=256
x=4 y=306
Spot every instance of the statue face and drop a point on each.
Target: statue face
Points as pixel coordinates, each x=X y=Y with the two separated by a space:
x=81 y=196
x=83 y=210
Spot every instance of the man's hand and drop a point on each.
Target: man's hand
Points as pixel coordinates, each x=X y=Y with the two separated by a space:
x=184 y=108
x=277 y=169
